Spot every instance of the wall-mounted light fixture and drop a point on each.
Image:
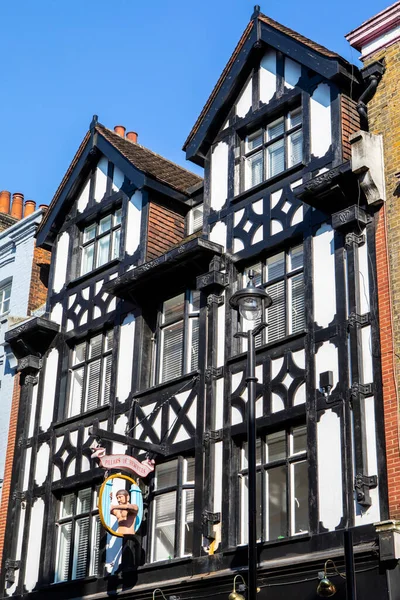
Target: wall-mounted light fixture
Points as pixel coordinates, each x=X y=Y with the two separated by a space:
x=163 y=595
x=326 y=589
x=326 y=383
x=235 y=595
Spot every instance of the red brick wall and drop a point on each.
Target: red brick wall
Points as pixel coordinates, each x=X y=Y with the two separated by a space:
x=350 y=123
x=165 y=229
x=9 y=460
x=391 y=411
x=39 y=277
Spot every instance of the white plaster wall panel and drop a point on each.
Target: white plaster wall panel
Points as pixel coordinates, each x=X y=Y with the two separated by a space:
x=324 y=276
x=326 y=359
x=71 y=468
x=118 y=179
x=320 y=117
x=300 y=395
x=49 y=389
x=32 y=416
x=56 y=313
x=298 y=216
x=111 y=306
x=329 y=470
x=34 y=545
x=276 y=227
x=243 y=105
x=118 y=448
x=134 y=220
x=101 y=179
x=42 y=463
x=292 y=72
x=238 y=245
x=83 y=198
x=299 y=358
x=125 y=357
x=20 y=536
x=366 y=342
x=219 y=404
x=60 y=270
x=268 y=76
x=372 y=514
x=277 y=403
x=218 y=473
x=219 y=175
x=120 y=424
x=218 y=234
x=27 y=466
x=85 y=464
x=363 y=278
x=221 y=334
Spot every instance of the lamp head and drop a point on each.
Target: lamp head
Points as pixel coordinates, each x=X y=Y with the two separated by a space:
x=236 y=596
x=249 y=301
x=325 y=588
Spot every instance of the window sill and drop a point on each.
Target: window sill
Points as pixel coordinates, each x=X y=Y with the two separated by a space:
x=270 y=345
x=94 y=273
x=267 y=182
x=165 y=563
x=165 y=384
x=80 y=416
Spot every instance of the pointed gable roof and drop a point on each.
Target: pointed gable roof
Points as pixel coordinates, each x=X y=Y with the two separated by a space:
x=275 y=35
x=142 y=164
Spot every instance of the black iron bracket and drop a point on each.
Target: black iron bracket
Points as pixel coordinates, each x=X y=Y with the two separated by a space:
x=210 y=519
x=362 y=485
x=213 y=373
x=214 y=299
x=361 y=389
x=212 y=436
x=109 y=436
x=356 y=319
x=353 y=238
x=11 y=567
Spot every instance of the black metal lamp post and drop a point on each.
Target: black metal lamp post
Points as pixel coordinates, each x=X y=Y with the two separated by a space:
x=250 y=303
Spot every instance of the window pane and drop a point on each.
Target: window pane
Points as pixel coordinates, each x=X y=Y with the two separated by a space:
x=76 y=392
x=89 y=233
x=276 y=312
x=116 y=243
x=95 y=346
x=166 y=474
x=93 y=385
x=276 y=128
x=87 y=259
x=276 y=446
x=194 y=343
x=63 y=550
x=276 y=266
x=299 y=439
x=79 y=353
x=277 y=503
x=83 y=504
x=173 y=308
x=105 y=224
x=94 y=546
x=244 y=510
x=257 y=279
x=254 y=140
x=295 y=148
x=276 y=158
x=300 y=517
x=109 y=340
x=188 y=522
x=294 y=118
x=81 y=548
x=197 y=218
x=254 y=170
x=297 y=303
x=189 y=470
x=67 y=506
x=258 y=453
x=194 y=302
x=172 y=351
x=117 y=217
x=296 y=258
x=103 y=250
x=164 y=526
x=106 y=387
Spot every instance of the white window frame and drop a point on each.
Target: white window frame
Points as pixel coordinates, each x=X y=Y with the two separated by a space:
x=67 y=550
x=5 y=297
x=288 y=463
x=94 y=235
x=181 y=487
x=82 y=365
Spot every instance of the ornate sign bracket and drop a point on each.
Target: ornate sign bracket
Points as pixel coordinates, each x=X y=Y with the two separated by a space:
x=109 y=436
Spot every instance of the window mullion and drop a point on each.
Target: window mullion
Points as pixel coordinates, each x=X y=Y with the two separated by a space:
x=186 y=333
x=85 y=365
x=179 y=507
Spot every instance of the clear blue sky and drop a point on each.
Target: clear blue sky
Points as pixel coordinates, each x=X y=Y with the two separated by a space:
x=148 y=65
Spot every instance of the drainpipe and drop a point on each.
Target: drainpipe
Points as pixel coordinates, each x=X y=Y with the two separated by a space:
x=371 y=75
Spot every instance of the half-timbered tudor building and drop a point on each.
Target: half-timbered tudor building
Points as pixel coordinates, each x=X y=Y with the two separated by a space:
x=140 y=343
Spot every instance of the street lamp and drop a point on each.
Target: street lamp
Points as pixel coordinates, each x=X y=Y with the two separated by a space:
x=251 y=303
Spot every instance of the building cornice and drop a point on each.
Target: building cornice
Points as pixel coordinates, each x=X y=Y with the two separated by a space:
x=379 y=31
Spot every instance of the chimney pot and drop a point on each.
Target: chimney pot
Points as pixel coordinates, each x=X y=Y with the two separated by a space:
x=44 y=207
x=133 y=136
x=120 y=130
x=30 y=206
x=17 y=205
x=5 y=202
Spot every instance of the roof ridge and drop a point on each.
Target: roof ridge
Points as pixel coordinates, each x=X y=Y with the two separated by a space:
x=151 y=152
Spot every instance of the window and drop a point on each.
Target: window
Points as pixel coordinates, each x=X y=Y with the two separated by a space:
x=5 y=294
x=173 y=509
x=282 y=485
x=90 y=373
x=282 y=277
x=178 y=336
x=195 y=219
x=78 y=536
x=273 y=149
x=101 y=242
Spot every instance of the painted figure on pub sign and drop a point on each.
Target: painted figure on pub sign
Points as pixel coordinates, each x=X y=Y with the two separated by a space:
x=125 y=512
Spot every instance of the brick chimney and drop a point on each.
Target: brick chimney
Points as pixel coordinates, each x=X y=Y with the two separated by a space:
x=132 y=136
x=5 y=202
x=30 y=206
x=17 y=205
x=120 y=130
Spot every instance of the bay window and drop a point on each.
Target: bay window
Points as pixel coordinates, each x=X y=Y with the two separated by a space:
x=282 y=485
x=78 y=536
x=173 y=509
x=101 y=242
